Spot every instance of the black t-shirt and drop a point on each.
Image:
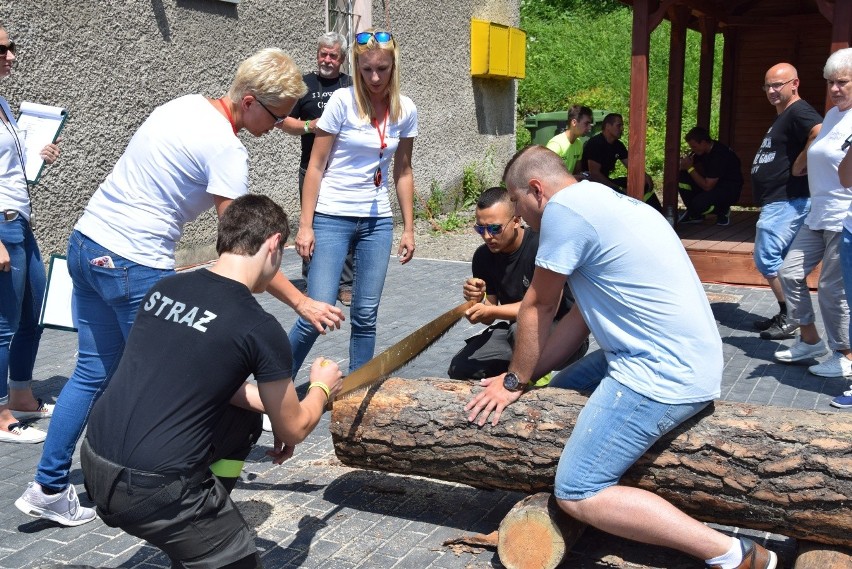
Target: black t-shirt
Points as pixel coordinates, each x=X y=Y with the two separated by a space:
x=196 y=338
x=508 y=275
x=722 y=163
x=604 y=153
x=771 y=180
x=310 y=106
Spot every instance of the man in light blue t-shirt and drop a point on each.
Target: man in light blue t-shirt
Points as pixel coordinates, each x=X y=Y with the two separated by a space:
x=660 y=361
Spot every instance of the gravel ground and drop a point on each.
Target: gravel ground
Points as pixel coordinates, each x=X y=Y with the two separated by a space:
x=432 y=243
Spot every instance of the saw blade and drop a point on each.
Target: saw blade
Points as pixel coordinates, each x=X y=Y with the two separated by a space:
x=402 y=352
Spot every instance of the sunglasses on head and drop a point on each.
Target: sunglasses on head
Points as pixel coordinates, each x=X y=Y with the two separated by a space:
x=364 y=38
x=4 y=49
x=491 y=228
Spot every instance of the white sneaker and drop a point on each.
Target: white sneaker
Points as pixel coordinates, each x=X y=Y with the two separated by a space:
x=837 y=365
x=44 y=411
x=20 y=433
x=267 y=424
x=63 y=508
x=801 y=351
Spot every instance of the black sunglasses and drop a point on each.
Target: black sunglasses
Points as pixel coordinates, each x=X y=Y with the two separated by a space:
x=4 y=49
x=492 y=228
x=278 y=120
x=364 y=38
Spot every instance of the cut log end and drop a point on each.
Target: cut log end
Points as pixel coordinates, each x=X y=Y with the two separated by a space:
x=535 y=534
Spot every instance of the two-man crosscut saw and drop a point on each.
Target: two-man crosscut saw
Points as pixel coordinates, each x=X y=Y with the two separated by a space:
x=402 y=352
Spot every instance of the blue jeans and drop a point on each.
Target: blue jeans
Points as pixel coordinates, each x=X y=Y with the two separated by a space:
x=615 y=428
x=370 y=239
x=106 y=300
x=776 y=227
x=21 y=293
x=846 y=266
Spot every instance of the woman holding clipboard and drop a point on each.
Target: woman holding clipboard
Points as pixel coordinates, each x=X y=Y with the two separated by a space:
x=22 y=278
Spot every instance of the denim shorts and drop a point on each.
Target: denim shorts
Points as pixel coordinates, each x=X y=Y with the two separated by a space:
x=776 y=227
x=615 y=428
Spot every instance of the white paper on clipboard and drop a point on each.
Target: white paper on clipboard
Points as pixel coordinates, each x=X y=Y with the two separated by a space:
x=56 y=310
x=42 y=125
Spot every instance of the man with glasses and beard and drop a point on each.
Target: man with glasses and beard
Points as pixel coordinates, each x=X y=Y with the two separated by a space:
x=302 y=122
x=502 y=271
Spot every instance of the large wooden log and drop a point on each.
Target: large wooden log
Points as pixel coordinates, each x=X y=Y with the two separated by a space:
x=817 y=556
x=782 y=470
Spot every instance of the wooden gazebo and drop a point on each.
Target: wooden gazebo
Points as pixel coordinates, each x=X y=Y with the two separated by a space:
x=757 y=35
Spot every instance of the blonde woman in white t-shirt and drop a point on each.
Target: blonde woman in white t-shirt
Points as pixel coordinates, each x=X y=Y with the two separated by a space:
x=345 y=195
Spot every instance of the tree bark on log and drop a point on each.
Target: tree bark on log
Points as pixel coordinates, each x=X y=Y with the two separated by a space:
x=536 y=533
x=769 y=468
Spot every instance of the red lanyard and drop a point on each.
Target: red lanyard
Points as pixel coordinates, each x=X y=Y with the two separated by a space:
x=228 y=114
x=377 y=176
x=381 y=132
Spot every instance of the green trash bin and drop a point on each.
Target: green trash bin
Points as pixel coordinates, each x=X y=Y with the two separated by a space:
x=545 y=126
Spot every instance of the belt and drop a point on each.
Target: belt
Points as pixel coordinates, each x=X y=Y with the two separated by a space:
x=9 y=215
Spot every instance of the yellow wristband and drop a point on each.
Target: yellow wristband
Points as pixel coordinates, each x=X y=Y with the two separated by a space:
x=307 y=127
x=690 y=170
x=322 y=386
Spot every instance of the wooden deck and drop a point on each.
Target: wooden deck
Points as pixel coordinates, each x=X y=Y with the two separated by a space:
x=724 y=254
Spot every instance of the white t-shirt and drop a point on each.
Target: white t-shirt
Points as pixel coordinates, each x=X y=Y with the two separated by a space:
x=829 y=200
x=637 y=291
x=13 y=184
x=347 y=186
x=183 y=154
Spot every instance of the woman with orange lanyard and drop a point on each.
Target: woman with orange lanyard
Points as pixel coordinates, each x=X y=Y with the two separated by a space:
x=22 y=279
x=183 y=160
x=345 y=200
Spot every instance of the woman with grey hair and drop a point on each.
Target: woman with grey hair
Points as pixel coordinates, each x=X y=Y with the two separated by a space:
x=184 y=159
x=819 y=238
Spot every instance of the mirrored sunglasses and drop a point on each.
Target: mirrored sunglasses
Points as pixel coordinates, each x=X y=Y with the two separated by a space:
x=363 y=38
x=491 y=228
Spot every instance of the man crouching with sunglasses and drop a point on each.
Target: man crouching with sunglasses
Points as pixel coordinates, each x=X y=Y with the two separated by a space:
x=502 y=271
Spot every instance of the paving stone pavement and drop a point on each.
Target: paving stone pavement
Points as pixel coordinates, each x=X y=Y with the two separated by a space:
x=313 y=512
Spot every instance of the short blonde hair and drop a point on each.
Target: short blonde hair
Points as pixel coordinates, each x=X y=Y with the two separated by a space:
x=365 y=108
x=271 y=76
x=534 y=162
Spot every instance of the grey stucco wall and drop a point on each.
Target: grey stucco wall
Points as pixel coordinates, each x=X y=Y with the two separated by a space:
x=111 y=62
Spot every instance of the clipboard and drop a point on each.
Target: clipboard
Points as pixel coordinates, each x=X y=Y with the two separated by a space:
x=57 y=307
x=41 y=125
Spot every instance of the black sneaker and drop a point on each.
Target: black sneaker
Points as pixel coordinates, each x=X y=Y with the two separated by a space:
x=780 y=329
x=723 y=220
x=762 y=324
x=687 y=218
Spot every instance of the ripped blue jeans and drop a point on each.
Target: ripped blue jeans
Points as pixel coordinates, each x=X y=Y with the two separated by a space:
x=614 y=429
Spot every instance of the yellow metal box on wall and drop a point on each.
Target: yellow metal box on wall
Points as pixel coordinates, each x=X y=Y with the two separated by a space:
x=497 y=50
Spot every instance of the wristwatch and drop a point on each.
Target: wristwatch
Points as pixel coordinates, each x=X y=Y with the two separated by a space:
x=511 y=382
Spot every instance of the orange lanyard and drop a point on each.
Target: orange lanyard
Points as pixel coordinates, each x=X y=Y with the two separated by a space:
x=228 y=114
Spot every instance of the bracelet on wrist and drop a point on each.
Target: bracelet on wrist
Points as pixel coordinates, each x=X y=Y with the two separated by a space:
x=307 y=127
x=690 y=170
x=322 y=386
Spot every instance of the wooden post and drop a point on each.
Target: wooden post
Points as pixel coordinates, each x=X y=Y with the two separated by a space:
x=638 y=99
x=705 y=70
x=674 y=123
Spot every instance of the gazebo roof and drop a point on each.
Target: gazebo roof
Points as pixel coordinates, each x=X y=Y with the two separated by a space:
x=743 y=12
